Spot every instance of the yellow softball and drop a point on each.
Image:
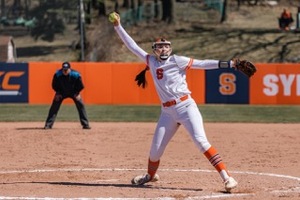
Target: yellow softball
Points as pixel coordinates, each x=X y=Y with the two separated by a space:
x=112 y=17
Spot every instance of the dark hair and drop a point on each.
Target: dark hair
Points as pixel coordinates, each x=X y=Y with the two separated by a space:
x=141 y=78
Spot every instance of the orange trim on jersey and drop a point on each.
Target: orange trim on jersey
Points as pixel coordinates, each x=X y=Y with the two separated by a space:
x=189 y=64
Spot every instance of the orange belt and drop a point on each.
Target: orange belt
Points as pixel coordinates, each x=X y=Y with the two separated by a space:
x=173 y=102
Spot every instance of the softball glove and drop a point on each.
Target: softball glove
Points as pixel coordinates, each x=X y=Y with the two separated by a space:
x=244 y=66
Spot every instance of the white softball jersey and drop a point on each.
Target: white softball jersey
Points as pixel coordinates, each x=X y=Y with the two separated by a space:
x=169 y=75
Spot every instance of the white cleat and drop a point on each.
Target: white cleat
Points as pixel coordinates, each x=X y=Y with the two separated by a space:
x=142 y=179
x=230 y=184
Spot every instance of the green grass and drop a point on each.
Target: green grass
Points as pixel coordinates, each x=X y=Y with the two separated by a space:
x=128 y=113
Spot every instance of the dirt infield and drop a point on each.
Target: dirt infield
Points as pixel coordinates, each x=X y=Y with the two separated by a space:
x=70 y=163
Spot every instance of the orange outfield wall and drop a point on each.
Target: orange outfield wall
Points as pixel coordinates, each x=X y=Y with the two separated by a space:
x=275 y=84
x=105 y=83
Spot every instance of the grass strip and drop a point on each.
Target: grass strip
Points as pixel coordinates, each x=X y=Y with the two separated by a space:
x=130 y=113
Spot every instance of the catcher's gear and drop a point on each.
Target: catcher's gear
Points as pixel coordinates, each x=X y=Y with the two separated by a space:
x=244 y=66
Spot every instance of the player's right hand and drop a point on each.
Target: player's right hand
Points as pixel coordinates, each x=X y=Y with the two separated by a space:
x=116 y=18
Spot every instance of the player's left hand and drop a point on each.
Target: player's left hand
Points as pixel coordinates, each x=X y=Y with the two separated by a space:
x=244 y=66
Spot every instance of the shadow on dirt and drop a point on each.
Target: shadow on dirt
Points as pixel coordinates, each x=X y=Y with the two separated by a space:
x=30 y=128
x=109 y=185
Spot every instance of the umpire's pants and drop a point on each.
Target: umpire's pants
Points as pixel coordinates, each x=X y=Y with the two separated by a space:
x=56 y=105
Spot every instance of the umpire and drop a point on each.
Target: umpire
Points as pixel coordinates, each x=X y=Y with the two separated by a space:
x=67 y=83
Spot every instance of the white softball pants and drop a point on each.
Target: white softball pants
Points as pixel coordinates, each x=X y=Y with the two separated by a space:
x=185 y=113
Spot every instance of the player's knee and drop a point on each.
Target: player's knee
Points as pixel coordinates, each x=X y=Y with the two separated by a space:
x=202 y=144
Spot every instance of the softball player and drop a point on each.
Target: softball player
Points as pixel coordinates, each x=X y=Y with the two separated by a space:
x=178 y=107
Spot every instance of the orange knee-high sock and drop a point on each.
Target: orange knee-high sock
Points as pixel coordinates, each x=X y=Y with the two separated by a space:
x=215 y=159
x=152 y=167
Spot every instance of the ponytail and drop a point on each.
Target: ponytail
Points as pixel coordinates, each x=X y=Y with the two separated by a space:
x=141 y=78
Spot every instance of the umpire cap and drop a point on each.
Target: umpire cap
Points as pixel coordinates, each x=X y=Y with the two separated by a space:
x=66 y=65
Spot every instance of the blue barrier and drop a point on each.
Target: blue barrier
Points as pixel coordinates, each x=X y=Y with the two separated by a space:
x=14 y=83
x=221 y=87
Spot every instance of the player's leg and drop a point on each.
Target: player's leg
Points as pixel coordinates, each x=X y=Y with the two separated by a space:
x=82 y=112
x=165 y=130
x=192 y=121
x=57 y=100
x=216 y=161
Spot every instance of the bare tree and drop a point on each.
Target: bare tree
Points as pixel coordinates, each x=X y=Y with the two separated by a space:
x=88 y=10
x=101 y=8
x=16 y=9
x=139 y=14
x=224 y=11
x=27 y=5
x=3 y=8
x=168 y=8
x=156 y=9
x=126 y=4
x=117 y=9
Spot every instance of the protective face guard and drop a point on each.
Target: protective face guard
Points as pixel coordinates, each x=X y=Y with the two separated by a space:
x=159 y=45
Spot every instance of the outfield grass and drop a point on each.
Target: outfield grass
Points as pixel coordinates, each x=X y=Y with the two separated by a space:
x=128 y=113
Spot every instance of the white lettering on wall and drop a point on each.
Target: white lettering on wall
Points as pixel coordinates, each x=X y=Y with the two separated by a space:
x=273 y=81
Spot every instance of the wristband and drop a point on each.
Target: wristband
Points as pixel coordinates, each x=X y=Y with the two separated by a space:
x=224 y=64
